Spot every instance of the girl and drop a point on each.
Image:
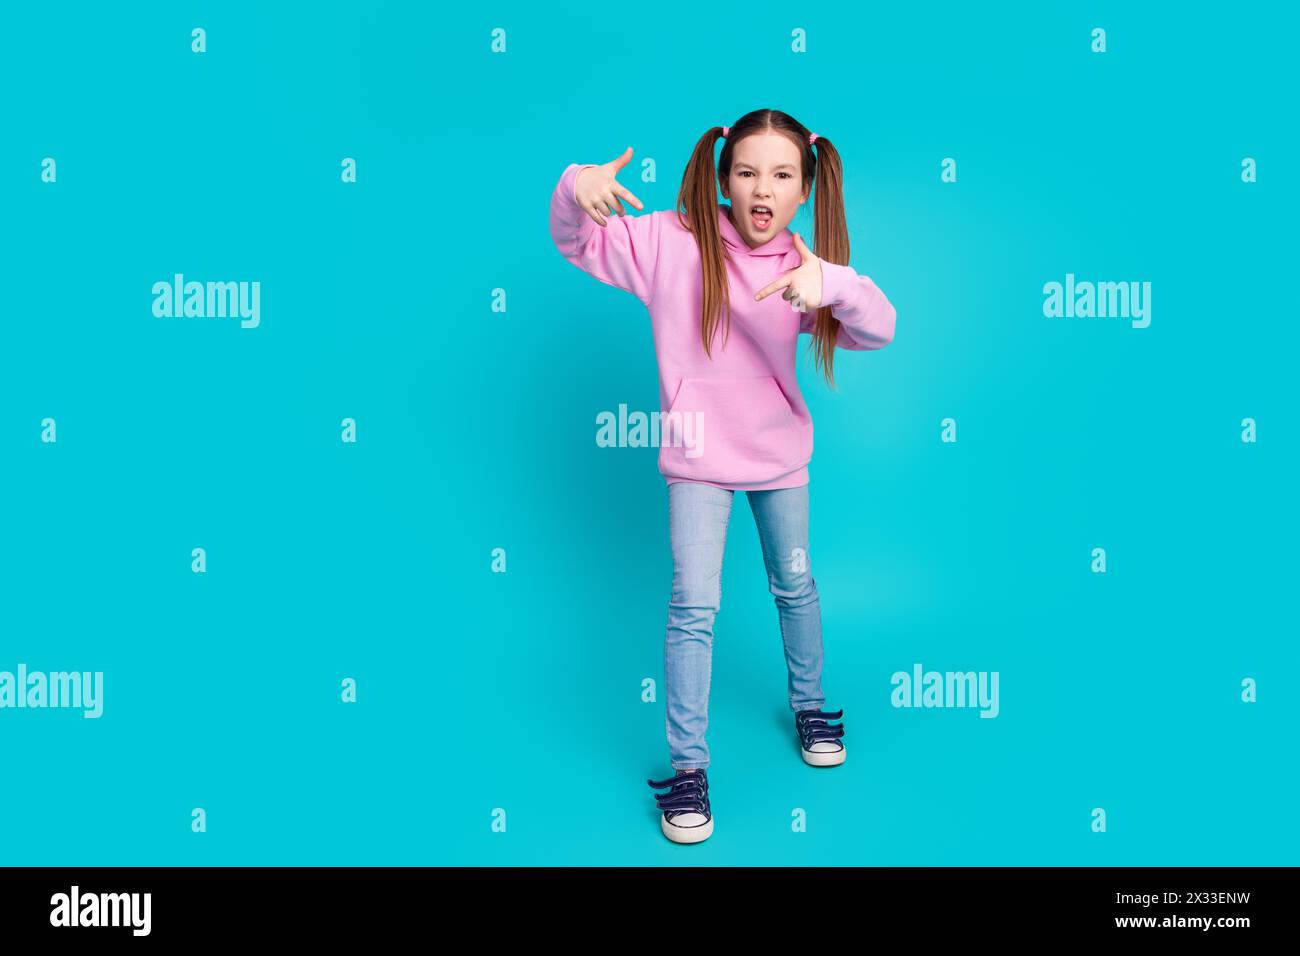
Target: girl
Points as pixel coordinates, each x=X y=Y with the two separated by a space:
x=734 y=418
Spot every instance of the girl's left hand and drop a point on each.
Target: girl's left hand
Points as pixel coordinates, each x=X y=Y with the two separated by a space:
x=803 y=286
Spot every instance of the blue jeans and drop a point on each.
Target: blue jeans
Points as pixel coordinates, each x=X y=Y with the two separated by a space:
x=698 y=516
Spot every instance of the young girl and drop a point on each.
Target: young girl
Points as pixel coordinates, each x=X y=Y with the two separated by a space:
x=734 y=418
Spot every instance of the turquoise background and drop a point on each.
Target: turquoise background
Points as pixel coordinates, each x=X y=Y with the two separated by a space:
x=476 y=429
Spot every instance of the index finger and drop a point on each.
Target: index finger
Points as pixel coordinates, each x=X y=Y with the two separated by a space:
x=771 y=287
x=620 y=190
x=621 y=161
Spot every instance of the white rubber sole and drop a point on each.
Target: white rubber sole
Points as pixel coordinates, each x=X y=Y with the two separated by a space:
x=818 y=759
x=686 y=834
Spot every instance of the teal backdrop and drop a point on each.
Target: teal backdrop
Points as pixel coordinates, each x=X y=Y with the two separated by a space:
x=485 y=697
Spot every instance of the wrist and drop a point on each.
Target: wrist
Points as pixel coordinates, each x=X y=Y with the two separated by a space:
x=582 y=168
x=835 y=279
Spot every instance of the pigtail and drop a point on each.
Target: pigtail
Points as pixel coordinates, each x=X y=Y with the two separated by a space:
x=698 y=196
x=830 y=242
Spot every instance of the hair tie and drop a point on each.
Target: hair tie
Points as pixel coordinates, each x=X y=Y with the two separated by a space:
x=726 y=130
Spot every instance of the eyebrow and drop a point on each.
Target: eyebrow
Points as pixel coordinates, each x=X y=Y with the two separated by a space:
x=782 y=166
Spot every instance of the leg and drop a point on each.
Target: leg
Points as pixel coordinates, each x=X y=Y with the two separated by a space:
x=698 y=515
x=782 y=519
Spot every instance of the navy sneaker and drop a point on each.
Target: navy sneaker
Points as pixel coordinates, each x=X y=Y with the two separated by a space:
x=686 y=814
x=819 y=740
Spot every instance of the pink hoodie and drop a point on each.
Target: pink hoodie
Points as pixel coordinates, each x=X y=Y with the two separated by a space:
x=737 y=421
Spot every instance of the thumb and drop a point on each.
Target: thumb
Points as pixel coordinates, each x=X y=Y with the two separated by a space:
x=623 y=160
x=804 y=252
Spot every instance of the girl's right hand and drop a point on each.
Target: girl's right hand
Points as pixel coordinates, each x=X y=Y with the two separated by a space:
x=598 y=192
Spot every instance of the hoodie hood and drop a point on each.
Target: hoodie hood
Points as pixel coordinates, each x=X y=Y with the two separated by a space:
x=778 y=245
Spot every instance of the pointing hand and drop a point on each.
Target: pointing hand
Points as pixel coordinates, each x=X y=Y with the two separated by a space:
x=802 y=285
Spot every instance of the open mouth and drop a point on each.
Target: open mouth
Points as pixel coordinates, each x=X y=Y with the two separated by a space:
x=760 y=216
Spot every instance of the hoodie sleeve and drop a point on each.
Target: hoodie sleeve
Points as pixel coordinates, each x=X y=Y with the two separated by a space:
x=866 y=317
x=622 y=253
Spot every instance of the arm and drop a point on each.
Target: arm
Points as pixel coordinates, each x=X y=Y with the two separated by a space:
x=622 y=253
x=866 y=317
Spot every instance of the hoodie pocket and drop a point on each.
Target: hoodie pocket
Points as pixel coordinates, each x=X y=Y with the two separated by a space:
x=730 y=430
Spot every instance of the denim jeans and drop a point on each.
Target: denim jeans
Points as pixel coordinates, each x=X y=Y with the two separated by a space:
x=698 y=516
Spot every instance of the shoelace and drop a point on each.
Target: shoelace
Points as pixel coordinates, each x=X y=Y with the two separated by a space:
x=690 y=793
x=813 y=726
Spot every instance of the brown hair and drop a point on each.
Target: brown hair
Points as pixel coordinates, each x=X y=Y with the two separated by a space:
x=698 y=199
